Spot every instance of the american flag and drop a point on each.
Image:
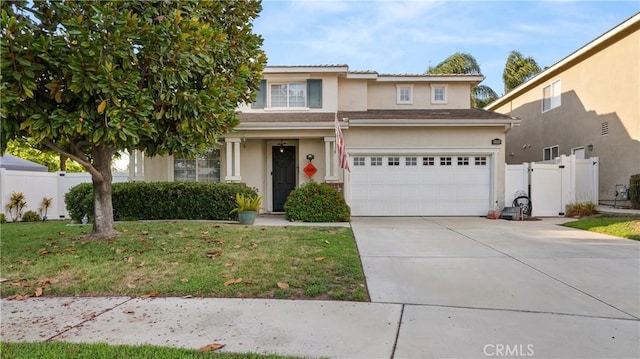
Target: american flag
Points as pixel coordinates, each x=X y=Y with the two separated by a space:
x=340 y=148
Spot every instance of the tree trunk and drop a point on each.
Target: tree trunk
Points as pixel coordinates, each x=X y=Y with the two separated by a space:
x=63 y=162
x=103 y=206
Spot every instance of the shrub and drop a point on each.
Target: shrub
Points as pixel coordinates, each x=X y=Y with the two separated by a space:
x=31 y=216
x=161 y=200
x=634 y=191
x=580 y=209
x=16 y=205
x=3 y=218
x=314 y=202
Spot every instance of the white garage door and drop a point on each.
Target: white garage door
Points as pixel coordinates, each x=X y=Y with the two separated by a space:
x=426 y=185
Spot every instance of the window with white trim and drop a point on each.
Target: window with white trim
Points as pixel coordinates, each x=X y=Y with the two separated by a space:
x=463 y=161
x=410 y=161
x=481 y=161
x=428 y=161
x=394 y=161
x=376 y=161
x=551 y=96
x=549 y=153
x=293 y=94
x=439 y=94
x=205 y=168
x=445 y=161
x=358 y=161
x=404 y=94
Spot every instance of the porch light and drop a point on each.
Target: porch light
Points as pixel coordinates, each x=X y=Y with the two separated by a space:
x=310 y=157
x=590 y=147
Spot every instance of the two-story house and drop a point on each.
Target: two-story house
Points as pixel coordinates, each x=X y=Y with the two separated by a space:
x=416 y=146
x=587 y=104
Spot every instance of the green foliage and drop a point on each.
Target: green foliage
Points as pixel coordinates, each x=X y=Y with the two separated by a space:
x=31 y=216
x=161 y=200
x=518 y=69
x=634 y=191
x=583 y=209
x=314 y=202
x=16 y=205
x=465 y=64
x=34 y=152
x=247 y=203
x=3 y=218
x=89 y=79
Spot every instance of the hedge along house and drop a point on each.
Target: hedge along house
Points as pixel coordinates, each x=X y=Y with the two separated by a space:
x=416 y=146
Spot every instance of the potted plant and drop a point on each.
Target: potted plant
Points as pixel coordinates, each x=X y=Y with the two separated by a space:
x=247 y=207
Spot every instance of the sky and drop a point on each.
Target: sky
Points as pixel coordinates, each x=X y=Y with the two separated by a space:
x=401 y=37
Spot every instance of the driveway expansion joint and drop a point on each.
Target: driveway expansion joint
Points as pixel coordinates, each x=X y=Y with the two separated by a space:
x=395 y=341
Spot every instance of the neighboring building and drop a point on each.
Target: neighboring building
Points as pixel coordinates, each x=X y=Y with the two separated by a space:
x=588 y=104
x=415 y=145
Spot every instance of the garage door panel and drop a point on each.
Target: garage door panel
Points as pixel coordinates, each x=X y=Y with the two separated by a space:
x=421 y=185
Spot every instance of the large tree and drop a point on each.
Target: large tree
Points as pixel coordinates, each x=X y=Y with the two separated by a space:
x=34 y=152
x=464 y=64
x=518 y=69
x=89 y=78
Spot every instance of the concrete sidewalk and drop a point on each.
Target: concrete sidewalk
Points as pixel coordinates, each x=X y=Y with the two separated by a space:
x=440 y=288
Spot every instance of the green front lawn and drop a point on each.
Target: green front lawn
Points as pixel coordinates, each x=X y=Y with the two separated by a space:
x=615 y=225
x=181 y=258
x=95 y=351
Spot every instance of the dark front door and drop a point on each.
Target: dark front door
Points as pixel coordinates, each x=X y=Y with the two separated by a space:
x=284 y=174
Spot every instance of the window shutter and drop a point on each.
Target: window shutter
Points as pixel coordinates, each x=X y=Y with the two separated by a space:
x=261 y=95
x=314 y=93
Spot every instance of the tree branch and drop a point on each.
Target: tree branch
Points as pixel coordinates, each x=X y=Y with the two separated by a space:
x=84 y=162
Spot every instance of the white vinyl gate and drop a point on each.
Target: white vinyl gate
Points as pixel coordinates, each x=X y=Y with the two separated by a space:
x=552 y=185
x=408 y=185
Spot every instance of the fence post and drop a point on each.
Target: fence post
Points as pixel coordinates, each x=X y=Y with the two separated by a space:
x=3 y=181
x=60 y=192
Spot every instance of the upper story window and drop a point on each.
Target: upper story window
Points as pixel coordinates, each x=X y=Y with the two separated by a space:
x=404 y=94
x=439 y=94
x=551 y=96
x=295 y=94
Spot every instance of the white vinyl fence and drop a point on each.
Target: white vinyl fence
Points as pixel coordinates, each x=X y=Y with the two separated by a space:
x=36 y=185
x=551 y=185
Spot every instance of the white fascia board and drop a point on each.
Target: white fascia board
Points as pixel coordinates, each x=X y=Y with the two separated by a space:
x=304 y=69
x=428 y=78
x=412 y=123
x=254 y=126
x=542 y=76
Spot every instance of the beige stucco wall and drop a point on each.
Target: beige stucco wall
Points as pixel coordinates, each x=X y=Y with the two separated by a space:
x=158 y=168
x=602 y=87
x=382 y=96
x=352 y=94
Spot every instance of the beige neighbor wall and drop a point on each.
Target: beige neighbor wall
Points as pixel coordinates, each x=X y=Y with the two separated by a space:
x=603 y=87
x=419 y=141
x=382 y=96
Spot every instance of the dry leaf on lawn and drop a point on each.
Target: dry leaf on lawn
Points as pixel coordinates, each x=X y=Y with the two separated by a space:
x=232 y=281
x=2 y=280
x=228 y=264
x=128 y=259
x=254 y=245
x=211 y=347
x=131 y=286
x=318 y=259
x=144 y=233
x=282 y=285
x=118 y=250
x=151 y=294
x=184 y=280
x=38 y=292
x=327 y=242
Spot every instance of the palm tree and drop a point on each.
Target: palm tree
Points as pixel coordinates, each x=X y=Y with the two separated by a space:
x=518 y=70
x=465 y=64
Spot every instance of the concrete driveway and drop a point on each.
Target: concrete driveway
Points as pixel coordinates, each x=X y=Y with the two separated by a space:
x=473 y=287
